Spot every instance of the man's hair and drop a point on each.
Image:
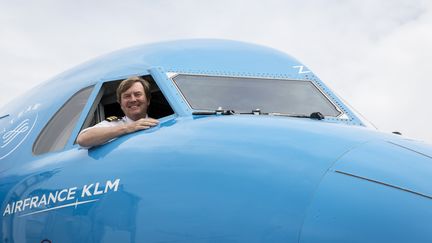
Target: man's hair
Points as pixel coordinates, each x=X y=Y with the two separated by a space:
x=127 y=83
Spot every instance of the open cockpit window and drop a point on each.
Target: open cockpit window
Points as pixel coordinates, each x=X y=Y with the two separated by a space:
x=243 y=94
x=106 y=105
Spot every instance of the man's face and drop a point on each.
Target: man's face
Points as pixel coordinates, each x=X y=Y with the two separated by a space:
x=134 y=102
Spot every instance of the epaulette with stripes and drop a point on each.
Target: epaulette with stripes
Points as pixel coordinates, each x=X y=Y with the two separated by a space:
x=112 y=118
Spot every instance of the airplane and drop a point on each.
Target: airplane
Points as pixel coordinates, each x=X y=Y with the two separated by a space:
x=251 y=146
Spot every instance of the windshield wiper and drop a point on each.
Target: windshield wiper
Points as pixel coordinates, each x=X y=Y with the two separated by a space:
x=314 y=115
x=219 y=111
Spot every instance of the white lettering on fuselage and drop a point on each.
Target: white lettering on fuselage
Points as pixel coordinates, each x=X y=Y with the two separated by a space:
x=20 y=126
x=45 y=202
x=301 y=69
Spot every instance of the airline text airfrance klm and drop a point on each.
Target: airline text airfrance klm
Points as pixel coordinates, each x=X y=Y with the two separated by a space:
x=40 y=203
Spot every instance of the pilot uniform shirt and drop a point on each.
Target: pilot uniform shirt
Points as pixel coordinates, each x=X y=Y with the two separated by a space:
x=123 y=121
x=115 y=122
x=105 y=123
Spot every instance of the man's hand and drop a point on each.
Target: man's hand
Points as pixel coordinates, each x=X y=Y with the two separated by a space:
x=141 y=124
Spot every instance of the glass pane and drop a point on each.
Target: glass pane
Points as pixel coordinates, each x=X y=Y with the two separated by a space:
x=297 y=97
x=58 y=130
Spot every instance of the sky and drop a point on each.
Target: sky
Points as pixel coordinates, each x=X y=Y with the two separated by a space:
x=375 y=54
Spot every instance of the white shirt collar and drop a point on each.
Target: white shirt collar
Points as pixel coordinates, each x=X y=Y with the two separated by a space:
x=126 y=119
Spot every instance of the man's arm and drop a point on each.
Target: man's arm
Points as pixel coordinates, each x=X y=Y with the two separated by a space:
x=99 y=135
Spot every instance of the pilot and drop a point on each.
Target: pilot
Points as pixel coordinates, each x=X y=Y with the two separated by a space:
x=133 y=95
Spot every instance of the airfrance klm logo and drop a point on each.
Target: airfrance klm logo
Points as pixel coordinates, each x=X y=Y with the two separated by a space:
x=67 y=197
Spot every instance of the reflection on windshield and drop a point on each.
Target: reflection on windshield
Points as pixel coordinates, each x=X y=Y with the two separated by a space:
x=243 y=95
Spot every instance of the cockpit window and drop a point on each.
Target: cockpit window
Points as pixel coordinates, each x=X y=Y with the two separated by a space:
x=298 y=97
x=56 y=133
x=106 y=105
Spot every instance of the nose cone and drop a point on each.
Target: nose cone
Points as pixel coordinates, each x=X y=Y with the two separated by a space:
x=255 y=171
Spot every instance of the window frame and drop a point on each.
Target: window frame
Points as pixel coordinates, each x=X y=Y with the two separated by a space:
x=98 y=93
x=173 y=75
x=56 y=120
